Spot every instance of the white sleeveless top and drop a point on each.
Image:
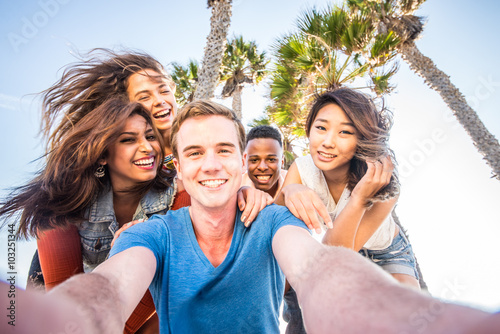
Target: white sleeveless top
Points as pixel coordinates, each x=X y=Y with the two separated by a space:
x=313 y=178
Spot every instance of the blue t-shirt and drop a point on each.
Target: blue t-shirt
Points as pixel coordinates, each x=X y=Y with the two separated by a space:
x=241 y=295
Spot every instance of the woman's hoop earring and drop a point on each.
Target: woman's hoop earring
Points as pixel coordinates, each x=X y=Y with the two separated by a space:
x=100 y=171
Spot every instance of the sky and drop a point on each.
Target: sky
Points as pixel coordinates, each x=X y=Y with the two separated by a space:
x=449 y=203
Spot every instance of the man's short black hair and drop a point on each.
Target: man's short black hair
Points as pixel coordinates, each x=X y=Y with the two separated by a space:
x=264 y=131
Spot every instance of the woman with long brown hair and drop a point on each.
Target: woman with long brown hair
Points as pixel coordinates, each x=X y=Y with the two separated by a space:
x=80 y=94
x=104 y=172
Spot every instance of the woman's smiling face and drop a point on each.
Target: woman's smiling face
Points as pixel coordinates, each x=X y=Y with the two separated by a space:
x=333 y=139
x=153 y=91
x=133 y=158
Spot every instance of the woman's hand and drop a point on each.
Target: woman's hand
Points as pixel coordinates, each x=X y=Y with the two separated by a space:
x=377 y=176
x=123 y=228
x=251 y=201
x=306 y=205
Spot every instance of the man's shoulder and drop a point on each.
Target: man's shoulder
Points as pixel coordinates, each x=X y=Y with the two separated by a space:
x=274 y=209
x=161 y=223
x=171 y=215
x=278 y=214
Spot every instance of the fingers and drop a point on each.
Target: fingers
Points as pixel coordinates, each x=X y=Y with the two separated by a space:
x=249 y=214
x=306 y=206
x=380 y=171
x=297 y=209
x=377 y=176
x=269 y=199
x=323 y=212
x=251 y=201
x=388 y=169
x=241 y=200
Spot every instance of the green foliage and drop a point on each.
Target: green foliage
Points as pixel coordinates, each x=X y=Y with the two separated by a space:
x=384 y=47
x=331 y=48
x=242 y=63
x=186 y=80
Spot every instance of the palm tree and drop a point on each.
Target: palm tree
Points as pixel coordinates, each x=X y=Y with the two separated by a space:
x=330 y=49
x=186 y=79
x=216 y=43
x=397 y=16
x=241 y=64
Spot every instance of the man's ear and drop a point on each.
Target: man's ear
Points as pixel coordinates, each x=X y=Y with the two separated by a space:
x=178 y=167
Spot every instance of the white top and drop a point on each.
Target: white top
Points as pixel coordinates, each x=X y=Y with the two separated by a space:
x=313 y=178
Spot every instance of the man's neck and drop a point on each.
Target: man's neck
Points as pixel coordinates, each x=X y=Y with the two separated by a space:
x=213 y=229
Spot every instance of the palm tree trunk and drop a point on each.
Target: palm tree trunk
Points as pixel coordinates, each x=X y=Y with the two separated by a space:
x=484 y=141
x=237 y=101
x=208 y=76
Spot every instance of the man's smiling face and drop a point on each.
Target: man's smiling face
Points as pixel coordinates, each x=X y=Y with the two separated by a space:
x=210 y=162
x=264 y=158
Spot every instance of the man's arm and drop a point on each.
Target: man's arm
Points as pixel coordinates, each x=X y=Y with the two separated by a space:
x=107 y=296
x=341 y=292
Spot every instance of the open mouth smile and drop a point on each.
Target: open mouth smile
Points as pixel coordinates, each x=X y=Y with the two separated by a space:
x=263 y=178
x=162 y=114
x=327 y=155
x=146 y=163
x=212 y=183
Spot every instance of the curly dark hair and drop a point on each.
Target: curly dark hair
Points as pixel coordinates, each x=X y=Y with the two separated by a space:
x=264 y=131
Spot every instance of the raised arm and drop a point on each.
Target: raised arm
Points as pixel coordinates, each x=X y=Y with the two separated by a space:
x=341 y=292
x=356 y=223
x=251 y=201
x=109 y=294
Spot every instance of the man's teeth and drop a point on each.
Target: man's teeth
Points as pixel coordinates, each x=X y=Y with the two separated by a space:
x=145 y=162
x=263 y=177
x=162 y=113
x=212 y=183
x=326 y=155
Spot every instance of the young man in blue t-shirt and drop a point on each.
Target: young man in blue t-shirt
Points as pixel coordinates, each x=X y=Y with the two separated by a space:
x=206 y=272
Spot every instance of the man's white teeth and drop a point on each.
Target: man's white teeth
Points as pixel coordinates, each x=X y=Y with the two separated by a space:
x=212 y=183
x=162 y=113
x=145 y=162
x=263 y=177
x=326 y=155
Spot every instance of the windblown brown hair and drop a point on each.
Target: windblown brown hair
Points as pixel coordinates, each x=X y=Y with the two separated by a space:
x=373 y=127
x=64 y=190
x=101 y=74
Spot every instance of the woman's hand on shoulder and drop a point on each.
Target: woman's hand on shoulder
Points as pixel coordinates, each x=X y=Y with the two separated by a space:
x=123 y=228
x=306 y=205
x=302 y=201
x=377 y=176
x=251 y=201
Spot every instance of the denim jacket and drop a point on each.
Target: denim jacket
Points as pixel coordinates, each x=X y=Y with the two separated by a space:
x=97 y=232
